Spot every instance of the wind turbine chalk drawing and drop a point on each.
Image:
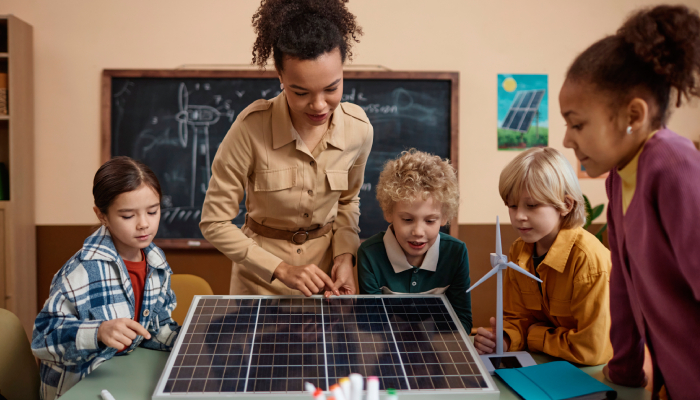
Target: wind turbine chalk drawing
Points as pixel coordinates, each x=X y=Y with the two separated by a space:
x=199 y=118
x=497 y=360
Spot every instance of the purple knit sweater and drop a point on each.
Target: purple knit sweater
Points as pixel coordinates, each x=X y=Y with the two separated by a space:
x=655 y=280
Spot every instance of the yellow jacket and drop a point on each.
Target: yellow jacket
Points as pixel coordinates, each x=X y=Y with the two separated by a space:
x=570 y=319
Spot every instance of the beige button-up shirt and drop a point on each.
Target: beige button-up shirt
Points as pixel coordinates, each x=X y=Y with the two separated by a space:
x=288 y=187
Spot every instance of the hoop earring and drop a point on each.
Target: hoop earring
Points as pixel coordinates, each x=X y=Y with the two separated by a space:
x=629 y=130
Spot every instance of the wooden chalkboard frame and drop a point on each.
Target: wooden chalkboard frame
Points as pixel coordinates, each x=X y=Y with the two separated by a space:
x=106 y=114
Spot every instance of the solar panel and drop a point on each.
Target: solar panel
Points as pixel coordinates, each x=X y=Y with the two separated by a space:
x=518 y=99
x=252 y=346
x=523 y=110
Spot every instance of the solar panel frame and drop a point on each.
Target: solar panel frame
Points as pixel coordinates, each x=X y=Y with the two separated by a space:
x=526 y=121
x=520 y=115
x=404 y=336
x=518 y=99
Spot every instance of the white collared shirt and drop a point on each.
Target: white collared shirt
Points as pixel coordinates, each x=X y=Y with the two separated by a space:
x=398 y=259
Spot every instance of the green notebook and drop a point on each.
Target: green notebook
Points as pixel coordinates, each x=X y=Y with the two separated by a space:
x=558 y=380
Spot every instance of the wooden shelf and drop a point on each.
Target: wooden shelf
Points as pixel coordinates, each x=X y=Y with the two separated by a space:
x=18 y=239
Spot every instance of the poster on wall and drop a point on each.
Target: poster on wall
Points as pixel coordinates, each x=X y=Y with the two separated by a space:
x=523 y=111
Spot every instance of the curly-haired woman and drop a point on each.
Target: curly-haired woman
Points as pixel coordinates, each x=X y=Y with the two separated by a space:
x=617 y=99
x=299 y=158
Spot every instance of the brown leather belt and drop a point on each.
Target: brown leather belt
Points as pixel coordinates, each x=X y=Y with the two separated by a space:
x=298 y=237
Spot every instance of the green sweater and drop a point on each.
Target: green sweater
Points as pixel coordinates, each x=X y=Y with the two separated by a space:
x=451 y=276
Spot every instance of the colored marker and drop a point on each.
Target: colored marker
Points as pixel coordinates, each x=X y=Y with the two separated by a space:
x=356 y=386
x=309 y=388
x=345 y=386
x=372 y=388
x=319 y=395
x=391 y=394
x=106 y=395
x=337 y=392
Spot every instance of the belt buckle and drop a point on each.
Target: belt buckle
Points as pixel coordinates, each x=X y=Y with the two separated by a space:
x=304 y=238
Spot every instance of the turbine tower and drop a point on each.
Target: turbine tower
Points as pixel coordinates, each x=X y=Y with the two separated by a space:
x=497 y=360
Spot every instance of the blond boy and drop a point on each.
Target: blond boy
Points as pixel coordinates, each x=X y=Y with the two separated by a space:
x=418 y=193
x=568 y=314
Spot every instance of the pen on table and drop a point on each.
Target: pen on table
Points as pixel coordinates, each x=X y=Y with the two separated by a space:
x=319 y=395
x=372 y=388
x=337 y=392
x=309 y=387
x=356 y=386
x=345 y=386
x=106 y=395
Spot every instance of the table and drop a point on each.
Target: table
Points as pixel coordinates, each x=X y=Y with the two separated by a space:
x=134 y=377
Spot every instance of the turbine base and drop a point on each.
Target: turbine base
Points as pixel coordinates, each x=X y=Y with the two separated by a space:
x=512 y=359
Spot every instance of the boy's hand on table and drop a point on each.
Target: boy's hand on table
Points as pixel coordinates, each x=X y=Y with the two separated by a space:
x=485 y=339
x=119 y=333
x=342 y=275
x=308 y=279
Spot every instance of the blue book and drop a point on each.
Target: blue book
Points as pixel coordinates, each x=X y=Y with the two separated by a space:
x=558 y=380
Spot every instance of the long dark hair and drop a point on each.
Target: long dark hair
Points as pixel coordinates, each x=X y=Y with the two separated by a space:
x=656 y=50
x=120 y=175
x=302 y=29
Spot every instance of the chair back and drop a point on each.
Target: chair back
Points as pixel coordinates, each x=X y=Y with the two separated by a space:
x=19 y=373
x=187 y=286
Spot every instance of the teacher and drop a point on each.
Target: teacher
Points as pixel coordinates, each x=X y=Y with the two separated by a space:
x=300 y=159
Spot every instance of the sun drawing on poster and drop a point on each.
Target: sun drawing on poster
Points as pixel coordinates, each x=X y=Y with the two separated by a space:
x=509 y=84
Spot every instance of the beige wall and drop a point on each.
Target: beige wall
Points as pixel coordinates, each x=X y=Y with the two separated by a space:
x=75 y=40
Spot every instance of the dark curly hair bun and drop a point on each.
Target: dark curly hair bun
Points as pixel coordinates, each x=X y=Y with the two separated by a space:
x=668 y=38
x=656 y=50
x=302 y=29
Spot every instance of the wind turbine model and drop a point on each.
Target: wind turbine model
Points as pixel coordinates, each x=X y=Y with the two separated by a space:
x=497 y=360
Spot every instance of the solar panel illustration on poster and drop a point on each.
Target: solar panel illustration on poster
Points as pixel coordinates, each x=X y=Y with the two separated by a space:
x=522 y=112
x=261 y=347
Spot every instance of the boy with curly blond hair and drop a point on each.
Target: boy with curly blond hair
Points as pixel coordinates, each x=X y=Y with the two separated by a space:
x=418 y=193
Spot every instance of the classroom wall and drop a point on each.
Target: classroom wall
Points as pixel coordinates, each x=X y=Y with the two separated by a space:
x=76 y=39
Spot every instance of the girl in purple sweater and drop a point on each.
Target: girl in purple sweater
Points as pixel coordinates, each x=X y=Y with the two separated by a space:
x=615 y=101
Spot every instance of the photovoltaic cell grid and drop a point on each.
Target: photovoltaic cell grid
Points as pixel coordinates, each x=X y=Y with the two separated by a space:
x=523 y=110
x=274 y=345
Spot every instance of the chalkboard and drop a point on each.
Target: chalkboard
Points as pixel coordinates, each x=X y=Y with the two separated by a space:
x=175 y=120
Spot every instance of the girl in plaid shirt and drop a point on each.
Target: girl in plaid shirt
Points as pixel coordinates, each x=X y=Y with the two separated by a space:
x=114 y=294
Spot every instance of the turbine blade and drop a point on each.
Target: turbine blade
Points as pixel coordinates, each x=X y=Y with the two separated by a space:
x=483 y=278
x=522 y=271
x=499 y=250
x=183 y=99
x=182 y=133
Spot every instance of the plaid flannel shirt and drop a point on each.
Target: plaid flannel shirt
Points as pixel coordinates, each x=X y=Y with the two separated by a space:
x=93 y=287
